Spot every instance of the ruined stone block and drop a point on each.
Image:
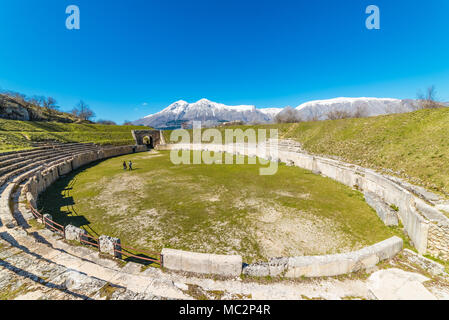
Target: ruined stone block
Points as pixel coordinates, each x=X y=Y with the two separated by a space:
x=74 y=233
x=384 y=211
x=110 y=246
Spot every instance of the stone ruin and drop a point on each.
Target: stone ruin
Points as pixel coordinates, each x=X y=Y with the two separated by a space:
x=149 y=138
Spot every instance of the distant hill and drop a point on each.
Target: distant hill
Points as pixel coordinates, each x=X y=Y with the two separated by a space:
x=14 y=108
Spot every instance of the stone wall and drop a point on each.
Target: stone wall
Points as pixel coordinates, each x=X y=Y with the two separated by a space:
x=224 y=265
x=438 y=243
x=43 y=179
x=415 y=214
x=385 y=212
x=327 y=265
x=155 y=136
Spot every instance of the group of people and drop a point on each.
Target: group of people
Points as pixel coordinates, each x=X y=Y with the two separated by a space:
x=130 y=165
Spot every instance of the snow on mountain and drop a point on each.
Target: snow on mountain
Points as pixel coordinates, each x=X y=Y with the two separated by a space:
x=367 y=107
x=212 y=113
x=271 y=111
x=206 y=111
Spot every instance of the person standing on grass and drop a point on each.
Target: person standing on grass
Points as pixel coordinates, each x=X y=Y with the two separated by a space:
x=130 y=165
x=124 y=165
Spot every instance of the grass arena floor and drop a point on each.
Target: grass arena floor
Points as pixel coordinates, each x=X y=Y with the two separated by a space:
x=222 y=209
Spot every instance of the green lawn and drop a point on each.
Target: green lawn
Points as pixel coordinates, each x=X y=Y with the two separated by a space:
x=223 y=209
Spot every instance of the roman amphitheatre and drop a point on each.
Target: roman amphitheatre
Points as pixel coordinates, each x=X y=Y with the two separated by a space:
x=221 y=209
x=341 y=216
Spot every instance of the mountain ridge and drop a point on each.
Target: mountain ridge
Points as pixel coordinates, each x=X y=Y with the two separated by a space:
x=206 y=111
x=212 y=113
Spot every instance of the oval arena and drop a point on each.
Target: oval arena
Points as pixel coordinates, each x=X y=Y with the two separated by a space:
x=29 y=176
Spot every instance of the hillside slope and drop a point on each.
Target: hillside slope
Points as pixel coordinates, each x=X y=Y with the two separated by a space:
x=414 y=146
x=14 y=108
x=16 y=135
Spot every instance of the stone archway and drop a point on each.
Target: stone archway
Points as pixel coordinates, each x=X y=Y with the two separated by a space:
x=148 y=141
x=149 y=138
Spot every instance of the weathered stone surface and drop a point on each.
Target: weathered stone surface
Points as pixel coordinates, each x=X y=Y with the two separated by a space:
x=80 y=283
x=328 y=265
x=225 y=265
x=64 y=168
x=74 y=233
x=396 y=284
x=110 y=245
x=31 y=199
x=151 y=138
x=432 y=267
x=47 y=219
x=261 y=269
x=384 y=211
x=14 y=111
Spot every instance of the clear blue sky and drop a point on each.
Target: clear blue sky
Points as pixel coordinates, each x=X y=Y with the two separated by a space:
x=132 y=58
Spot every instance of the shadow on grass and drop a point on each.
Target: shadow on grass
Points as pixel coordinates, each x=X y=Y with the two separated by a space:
x=59 y=203
x=142 y=261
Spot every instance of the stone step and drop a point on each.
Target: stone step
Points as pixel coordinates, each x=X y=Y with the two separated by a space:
x=24 y=274
x=140 y=284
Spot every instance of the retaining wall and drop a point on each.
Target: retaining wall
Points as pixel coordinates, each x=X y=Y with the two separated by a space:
x=43 y=179
x=225 y=265
x=328 y=265
x=416 y=215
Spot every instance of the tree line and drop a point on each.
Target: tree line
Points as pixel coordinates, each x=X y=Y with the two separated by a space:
x=428 y=100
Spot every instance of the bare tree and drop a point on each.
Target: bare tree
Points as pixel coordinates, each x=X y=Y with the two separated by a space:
x=314 y=114
x=107 y=122
x=288 y=115
x=83 y=111
x=428 y=100
x=360 y=112
x=50 y=104
x=338 y=114
x=37 y=101
x=16 y=95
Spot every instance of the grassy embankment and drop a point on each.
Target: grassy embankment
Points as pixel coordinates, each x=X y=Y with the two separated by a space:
x=414 y=146
x=19 y=135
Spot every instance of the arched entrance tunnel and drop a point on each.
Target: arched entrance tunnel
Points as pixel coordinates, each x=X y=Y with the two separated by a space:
x=149 y=138
x=148 y=141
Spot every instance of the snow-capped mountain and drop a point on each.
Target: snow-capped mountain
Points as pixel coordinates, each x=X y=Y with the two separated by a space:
x=212 y=113
x=272 y=112
x=366 y=107
x=208 y=112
